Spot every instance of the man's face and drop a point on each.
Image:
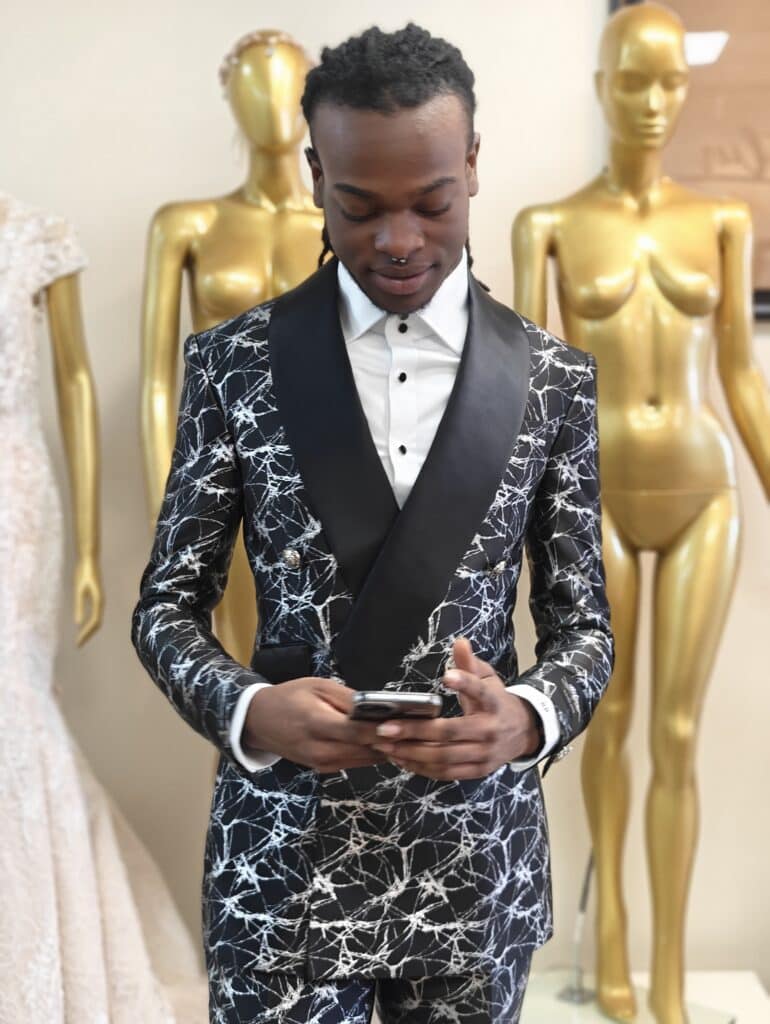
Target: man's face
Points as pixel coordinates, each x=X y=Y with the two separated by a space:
x=395 y=186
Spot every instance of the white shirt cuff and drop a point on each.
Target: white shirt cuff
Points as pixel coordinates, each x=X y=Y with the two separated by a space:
x=546 y=712
x=255 y=759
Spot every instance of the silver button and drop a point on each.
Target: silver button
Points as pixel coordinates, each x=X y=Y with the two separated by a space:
x=499 y=569
x=291 y=558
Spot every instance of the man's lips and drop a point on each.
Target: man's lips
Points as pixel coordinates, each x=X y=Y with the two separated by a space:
x=401 y=280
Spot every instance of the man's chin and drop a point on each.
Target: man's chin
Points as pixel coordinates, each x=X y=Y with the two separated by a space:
x=392 y=299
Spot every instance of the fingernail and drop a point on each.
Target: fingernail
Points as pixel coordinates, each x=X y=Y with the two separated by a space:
x=452 y=676
x=387 y=730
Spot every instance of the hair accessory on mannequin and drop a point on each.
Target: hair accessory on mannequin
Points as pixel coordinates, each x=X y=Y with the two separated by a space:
x=267 y=37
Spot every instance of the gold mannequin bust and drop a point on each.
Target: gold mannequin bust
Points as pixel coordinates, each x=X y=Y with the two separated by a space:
x=78 y=417
x=238 y=250
x=651 y=277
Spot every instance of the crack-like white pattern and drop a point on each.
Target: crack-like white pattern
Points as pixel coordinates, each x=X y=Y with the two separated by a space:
x=371 y=871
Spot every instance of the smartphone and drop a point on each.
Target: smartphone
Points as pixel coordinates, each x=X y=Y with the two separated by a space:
x=377 y=705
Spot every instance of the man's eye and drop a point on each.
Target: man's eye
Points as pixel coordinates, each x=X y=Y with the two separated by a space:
x=355 y=217
x=434 y=212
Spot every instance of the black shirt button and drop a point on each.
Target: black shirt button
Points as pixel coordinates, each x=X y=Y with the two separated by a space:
x=402 y=449
x=402 y=377
x=403 y=328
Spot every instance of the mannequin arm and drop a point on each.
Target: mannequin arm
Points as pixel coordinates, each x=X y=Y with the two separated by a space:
x=745 y=388
x=531 y=243
x=167 y=248
x=79 y=420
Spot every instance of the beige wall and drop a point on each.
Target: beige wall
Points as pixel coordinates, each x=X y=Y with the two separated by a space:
x=108 y=111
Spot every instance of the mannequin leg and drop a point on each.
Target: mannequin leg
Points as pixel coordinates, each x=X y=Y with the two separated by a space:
x=693 y=584
x=235 y=618
x=605 y=776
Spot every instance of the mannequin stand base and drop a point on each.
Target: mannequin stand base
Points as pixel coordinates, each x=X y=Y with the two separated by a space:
x=545 y=1003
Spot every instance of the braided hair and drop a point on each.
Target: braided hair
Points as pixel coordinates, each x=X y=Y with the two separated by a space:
x=386 y=72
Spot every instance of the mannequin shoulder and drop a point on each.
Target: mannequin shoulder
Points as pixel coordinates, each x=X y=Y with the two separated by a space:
x=733 y=218
x=544 y=220
x=536 y=221
x=725 y=210
x=179 y=224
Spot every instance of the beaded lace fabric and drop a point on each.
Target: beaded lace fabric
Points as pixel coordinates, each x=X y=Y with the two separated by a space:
x=88 y=931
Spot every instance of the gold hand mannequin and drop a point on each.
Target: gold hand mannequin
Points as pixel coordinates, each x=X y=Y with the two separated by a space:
x=78 y=417
x=238 y=250
x=651 y=279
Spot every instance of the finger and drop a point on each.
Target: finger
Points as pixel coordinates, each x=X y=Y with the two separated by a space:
x=442 y=773
x=483 y=692
x=330 y=723
x=350 y=754
x=336 y=694
x=466 y=660
x=429 y=753
x=433 y=730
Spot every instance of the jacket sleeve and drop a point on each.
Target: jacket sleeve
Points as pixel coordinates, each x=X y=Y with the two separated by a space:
x=575 y=649
x=187 y=571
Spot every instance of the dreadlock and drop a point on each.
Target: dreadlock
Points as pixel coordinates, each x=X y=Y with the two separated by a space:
x=388 y=71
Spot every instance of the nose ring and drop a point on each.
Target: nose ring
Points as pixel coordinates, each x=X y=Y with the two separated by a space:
x=399 y=261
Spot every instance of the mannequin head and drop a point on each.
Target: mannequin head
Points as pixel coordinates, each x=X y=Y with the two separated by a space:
x=642 y=75
x=263 y=77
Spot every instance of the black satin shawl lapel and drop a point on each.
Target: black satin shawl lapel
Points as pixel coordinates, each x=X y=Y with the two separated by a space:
x=326 y=427
x=449 y=500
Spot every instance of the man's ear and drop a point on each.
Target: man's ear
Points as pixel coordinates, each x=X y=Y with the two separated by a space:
x=317 y=175
x=471 y=165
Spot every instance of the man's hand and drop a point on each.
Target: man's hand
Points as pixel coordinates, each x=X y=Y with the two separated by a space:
x=306 y=720
x=496 y=727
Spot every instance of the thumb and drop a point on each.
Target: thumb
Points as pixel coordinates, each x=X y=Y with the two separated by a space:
x=466 y=660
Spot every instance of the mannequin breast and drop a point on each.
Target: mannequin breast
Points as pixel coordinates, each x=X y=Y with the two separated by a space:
x=248 y=255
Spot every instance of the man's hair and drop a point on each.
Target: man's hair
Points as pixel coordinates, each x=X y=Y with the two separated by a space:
x=387 y=71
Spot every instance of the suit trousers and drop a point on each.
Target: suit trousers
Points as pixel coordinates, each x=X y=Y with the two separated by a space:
x=262 y=998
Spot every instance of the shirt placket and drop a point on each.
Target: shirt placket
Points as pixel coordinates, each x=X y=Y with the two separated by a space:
x=400 y=335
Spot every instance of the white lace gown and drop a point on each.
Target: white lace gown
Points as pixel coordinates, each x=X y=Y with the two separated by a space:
x=88 y=931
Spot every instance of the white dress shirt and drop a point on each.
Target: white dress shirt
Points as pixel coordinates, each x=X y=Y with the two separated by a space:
x=404 y=367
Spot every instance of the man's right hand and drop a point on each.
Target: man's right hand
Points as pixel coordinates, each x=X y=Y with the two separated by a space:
x=306 y=720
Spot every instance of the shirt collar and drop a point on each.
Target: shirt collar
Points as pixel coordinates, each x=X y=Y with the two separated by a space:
x=446 y=315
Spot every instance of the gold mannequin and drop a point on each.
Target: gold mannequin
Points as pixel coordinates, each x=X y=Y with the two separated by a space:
x=238 y=250
x=80 y=427
x=651 y=277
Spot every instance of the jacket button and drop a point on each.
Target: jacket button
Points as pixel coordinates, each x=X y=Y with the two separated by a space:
x=291 y=558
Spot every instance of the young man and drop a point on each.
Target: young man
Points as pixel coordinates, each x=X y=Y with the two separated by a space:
x=391 y=437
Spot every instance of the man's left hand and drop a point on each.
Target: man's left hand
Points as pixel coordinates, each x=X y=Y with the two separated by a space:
x=496 y=727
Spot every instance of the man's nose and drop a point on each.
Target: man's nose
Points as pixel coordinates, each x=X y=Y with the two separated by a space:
x=399 y=236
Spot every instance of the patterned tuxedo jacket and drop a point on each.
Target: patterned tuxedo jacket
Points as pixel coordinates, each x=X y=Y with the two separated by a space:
x=375 y=871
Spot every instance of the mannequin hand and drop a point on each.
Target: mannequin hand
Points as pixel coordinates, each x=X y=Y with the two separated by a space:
x=88 y=598
x=306 y=720
x=496 y=727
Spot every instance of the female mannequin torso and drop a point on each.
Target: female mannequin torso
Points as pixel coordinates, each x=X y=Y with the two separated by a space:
x=643 y=306
x=653 y=278
x=237 y=251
